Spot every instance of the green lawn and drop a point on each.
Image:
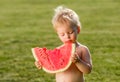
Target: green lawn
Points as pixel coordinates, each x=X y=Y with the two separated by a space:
x=27 y=23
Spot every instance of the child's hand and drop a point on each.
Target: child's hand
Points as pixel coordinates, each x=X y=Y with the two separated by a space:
x=38 y=65
x=75 y=58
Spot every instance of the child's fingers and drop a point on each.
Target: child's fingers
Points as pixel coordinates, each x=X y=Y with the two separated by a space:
x=38 y=65
x=75 y=58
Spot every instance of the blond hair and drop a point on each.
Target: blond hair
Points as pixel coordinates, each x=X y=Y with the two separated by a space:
x=66 y=16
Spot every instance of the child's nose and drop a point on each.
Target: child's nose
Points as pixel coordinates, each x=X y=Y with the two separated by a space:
x=67 y=36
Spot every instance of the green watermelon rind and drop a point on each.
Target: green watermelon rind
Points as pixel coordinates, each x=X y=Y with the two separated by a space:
x=62 y=69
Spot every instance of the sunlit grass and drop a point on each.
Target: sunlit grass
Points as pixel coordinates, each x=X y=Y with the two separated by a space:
x=27 y=23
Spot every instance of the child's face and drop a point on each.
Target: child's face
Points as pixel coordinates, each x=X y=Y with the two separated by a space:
x=67 y=34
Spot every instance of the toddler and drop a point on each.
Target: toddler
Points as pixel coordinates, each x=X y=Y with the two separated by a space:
x=67 y=25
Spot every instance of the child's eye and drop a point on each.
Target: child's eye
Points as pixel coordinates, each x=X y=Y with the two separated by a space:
x=62 y=34
x=71 y=32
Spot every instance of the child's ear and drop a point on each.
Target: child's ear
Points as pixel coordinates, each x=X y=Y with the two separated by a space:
x=78 y=29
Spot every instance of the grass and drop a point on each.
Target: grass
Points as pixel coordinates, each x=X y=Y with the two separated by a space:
x=27 y=23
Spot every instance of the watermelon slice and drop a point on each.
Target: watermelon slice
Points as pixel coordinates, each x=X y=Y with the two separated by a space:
x=56 y=60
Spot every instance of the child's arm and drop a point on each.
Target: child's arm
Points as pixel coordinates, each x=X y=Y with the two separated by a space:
x=84 y=63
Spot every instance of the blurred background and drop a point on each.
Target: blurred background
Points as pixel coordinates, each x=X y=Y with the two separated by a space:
x=27 y=23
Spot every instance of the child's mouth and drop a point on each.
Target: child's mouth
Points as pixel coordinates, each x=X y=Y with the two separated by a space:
x=69 y=41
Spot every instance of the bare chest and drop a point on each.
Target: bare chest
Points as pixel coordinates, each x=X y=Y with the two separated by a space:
x=70 y=75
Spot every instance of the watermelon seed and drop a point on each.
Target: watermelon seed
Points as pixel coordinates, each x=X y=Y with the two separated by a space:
x=62 y=60
x=61 y=64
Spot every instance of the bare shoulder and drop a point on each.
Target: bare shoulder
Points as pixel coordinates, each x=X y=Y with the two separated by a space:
x=85 y=54
x=83 y=49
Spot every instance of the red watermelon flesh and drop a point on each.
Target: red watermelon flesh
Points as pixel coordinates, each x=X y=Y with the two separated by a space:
x=56 y=60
